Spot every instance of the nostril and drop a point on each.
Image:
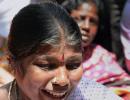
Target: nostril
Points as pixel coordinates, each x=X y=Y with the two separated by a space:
x=58 y=87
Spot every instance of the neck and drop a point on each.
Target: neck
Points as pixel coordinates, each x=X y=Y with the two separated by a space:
x=15 y=92
x=88 y=52
x=21 y=95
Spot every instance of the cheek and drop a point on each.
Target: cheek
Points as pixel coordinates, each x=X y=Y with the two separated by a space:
x=33 y=81
x=76 y=75
x=36 y=78
x=94 y=30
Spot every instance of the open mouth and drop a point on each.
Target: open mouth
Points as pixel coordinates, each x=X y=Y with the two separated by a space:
x=85 y=38
x=56 y=95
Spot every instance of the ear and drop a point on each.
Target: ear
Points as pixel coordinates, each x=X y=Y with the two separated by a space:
x=11 y=62
x=16 y=66
x=11 y=65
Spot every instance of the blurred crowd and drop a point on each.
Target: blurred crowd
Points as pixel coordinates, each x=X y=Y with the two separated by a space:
x=106 y=55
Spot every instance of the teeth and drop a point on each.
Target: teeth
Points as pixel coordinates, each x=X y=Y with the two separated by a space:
x=85 y=38
x=56 y=94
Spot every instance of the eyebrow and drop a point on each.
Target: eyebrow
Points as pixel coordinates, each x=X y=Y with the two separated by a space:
x=74 y=58
x=54 y=59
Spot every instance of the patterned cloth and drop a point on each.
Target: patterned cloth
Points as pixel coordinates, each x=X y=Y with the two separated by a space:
x=102 y=66
x=90 y=90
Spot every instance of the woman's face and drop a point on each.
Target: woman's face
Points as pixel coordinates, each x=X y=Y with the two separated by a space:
x=50 y=74
x=87 y=18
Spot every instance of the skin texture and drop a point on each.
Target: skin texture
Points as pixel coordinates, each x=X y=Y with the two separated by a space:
x=57 y=70
x=87 y=18
x=3 y=94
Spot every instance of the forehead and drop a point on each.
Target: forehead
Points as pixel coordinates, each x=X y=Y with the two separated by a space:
x=87 y=8
x=59 y=49
x=59 y=53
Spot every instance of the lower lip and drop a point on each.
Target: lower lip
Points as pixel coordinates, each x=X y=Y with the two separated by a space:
x=51 y=96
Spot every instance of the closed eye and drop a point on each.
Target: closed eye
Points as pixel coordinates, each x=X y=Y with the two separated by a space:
x=47 y=66
x=72 y=66
x=82 y=17
x=93 y=21
x=76 y=19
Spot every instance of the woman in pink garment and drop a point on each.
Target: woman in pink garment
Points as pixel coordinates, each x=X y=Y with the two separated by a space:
x=99 y=64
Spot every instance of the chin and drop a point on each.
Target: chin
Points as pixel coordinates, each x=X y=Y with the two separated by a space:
x=85 y=44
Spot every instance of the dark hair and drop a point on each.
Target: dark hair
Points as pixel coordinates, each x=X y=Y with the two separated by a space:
x=39 y=24
x=70 y=5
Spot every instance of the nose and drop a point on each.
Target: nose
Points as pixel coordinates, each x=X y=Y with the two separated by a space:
x=86 y=25
x=62 y=77
x=61 y=81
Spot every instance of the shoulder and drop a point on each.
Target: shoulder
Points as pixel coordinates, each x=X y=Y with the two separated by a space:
x=4 y=92
x=102 y=55
x=101 y=49
x=104 y=52
x=89 y=90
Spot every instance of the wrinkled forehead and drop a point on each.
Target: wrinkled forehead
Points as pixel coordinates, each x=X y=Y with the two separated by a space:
x=61 y=53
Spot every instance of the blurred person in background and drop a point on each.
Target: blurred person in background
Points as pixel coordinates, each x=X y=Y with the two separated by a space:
x=99 y=64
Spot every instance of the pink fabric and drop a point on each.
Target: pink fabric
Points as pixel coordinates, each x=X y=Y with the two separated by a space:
x=102 y=66
x=127 y=61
